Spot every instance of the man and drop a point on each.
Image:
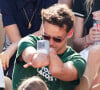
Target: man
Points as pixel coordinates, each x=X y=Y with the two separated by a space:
x=20 y=18
x=62 y=68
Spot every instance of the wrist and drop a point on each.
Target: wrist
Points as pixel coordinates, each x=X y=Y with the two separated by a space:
x=32 y=57
x=30 y=63
x=87 y=40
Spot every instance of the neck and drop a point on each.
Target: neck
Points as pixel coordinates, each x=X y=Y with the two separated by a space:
x=62 y=51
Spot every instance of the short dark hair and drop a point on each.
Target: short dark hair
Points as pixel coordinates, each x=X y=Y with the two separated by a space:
x=33 y=83
x=59 y=14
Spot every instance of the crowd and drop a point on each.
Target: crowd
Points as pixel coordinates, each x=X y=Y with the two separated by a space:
x=60 y=66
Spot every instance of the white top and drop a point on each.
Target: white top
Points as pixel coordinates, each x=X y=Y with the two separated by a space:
x=2 y=83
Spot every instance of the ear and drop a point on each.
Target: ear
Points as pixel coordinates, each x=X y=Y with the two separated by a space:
x=70 y=33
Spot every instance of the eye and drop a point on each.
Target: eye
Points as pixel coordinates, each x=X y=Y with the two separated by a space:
x=46 y=37
x=57 y=39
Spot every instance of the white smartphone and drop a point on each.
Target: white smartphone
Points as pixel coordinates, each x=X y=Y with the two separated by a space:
x=43 y=46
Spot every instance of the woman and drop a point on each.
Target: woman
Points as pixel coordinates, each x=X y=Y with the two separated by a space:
x=86 y=12
x=85 y=34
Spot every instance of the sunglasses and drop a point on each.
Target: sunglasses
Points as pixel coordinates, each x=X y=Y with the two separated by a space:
x=58 y=40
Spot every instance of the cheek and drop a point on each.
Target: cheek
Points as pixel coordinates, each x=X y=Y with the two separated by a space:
x=59 y=45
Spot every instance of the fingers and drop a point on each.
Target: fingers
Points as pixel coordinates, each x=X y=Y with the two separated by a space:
x=96 y=15
x=4 y=60
x=27 y=65
x=3 y=64
x=52 y=51
x=94 y=34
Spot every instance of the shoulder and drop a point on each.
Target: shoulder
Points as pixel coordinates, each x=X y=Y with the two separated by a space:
x=79 y=8
x=30 y=38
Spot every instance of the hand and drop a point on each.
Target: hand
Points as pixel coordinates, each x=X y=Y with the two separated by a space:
x=52 y=52
x=39 y=60
x=94 y=35
x=96 y=15
x=4 y=58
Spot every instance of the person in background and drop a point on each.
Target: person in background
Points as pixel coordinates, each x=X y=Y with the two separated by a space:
x=86 y=11
x=20 y=18
x=68 y=2
x=62 y=67
x=85 y=35
x=33 y=83
x=94 y=54
x=92 y=72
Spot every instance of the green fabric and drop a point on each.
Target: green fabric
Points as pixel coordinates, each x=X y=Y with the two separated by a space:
x=21 y=73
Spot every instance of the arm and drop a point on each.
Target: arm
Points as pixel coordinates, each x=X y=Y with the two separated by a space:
x=14 y=36
x=38 y=60
x=13 y=32
x=63 y=71
x=79 y=41
x=7 y=54
x=68 y=2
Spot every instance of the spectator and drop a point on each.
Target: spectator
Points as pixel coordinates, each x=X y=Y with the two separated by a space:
x=86 y=11
x=62 y=68
x=20 y=18
x=92 y=72
x=33 y=83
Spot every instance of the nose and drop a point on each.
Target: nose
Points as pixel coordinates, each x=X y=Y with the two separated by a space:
x=51 y=42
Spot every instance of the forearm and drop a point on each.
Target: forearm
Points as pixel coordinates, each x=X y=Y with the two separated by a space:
x=28 y=53
x=13 y=33
x=68 y=2
x=58 y=69
x=36 y=60
x=11 y=49
x=80 y=43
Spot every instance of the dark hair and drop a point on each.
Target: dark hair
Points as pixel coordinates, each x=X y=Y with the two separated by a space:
x=59 y=14
x=33 y=83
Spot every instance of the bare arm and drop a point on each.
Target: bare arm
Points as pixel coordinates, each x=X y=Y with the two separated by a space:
x=13 y=32
x=7 y=54
x=63 y=71
x=79 y=42
x=68 y=2
x=38 y=60
x=14 y=36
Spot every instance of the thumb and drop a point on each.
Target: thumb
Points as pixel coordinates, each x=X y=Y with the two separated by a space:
x=27 y=65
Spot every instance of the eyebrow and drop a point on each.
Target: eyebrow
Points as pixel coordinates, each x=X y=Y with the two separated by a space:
x=60 y=37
